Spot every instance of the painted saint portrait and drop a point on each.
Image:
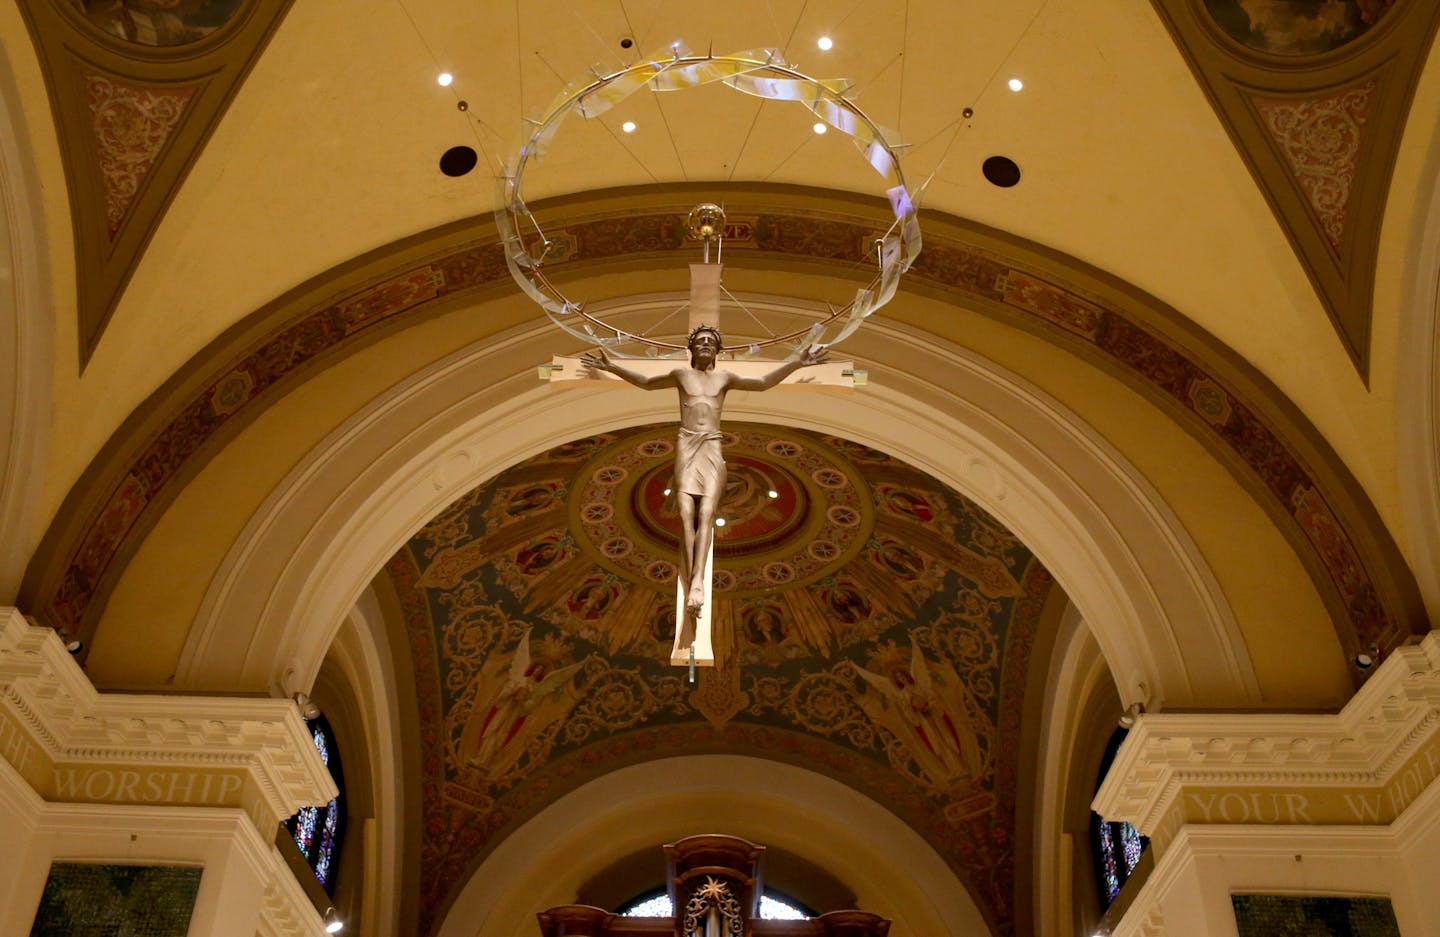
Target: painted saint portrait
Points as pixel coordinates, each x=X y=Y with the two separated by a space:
x=593 y=599
x=848 y=603
x=764 y=624
x=158 y=23
x=533 y=559
x=911 y=505
x=531 y=499
x=1297 y=27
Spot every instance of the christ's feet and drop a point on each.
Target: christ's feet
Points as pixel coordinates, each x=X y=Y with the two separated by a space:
x=696 y=600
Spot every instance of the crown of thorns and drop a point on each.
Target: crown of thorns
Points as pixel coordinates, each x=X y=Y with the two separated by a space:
x=719 y=339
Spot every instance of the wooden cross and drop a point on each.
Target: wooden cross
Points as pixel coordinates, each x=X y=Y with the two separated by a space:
x=698 y=649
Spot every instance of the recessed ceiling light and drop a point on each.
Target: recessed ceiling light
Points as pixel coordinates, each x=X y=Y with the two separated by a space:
x=1016 y=84
x=444 y=79
x=773 y=493
x=719 y=522
x=819 y=127
x=667 y=492
x=628 y=126
x=825 y=43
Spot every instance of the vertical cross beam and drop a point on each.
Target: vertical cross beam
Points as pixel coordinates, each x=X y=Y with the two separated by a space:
x=694 y=632
x=705 y=295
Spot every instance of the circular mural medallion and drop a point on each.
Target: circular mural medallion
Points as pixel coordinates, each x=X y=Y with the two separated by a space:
x=793 y=511
x=158 y=23
x=1296 y=27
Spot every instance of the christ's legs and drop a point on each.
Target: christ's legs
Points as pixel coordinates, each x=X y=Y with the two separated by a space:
x=704 y=536
x=687 y=504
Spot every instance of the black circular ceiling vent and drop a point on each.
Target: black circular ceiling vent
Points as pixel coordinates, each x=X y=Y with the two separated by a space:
x=458 y=160
x=1001 y=171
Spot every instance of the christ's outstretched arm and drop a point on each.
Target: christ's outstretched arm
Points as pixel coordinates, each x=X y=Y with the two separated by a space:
x=600 y=361
x=814 y=354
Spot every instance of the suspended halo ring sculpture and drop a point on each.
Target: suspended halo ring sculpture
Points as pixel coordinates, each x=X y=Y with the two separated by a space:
x=758 y=73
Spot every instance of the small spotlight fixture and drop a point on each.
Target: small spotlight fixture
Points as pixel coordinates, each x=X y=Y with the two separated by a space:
x=1131 y=715
x=819 y=127
x=75 y=646
x=628 y=126
x=333 y=924
x=719 y=522
x=667 y=492
x=825 y=43
x=444 y=79
x=1368 y=658
x=773 y=493
x=1016 y=84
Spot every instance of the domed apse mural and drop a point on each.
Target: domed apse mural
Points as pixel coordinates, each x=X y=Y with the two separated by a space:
x=870 y=624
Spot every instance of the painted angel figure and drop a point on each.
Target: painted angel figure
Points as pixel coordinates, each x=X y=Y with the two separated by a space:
x=931 y=714
x=528 y=701
x=699 y=463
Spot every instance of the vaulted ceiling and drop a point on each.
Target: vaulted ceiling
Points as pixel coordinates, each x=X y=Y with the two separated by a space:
x=269 y=354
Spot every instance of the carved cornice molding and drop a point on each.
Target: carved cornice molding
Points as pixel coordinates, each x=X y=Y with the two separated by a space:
x=72 y=743
x=1365 y=764
x=286 y=911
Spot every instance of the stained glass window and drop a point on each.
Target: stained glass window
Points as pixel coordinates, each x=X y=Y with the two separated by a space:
x=1116 y=846
x=650 y=906
x=319 y=830
x=1131 y=845
x=773 y=907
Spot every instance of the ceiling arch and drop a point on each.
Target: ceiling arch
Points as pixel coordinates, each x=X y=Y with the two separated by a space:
x=539 y=607
x=25 y=341
x=1226 y=407
x=311 y=548
x=1418 y=413
x=888 y=866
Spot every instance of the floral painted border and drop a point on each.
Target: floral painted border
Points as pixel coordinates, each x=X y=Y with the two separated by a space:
x=1219 y=417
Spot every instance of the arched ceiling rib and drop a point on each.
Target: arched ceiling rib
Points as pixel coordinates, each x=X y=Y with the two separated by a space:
x=1224 y=405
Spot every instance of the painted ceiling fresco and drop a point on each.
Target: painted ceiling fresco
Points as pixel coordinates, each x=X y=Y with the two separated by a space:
x=1297 y=27
x=870 y=624
x=158 y=22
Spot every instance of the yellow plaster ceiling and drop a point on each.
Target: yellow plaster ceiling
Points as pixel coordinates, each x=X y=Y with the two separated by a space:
x=330 y=148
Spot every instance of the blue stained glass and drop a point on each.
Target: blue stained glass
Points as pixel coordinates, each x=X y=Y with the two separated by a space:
x=305 y=822
x=318 y=831
x=1108 y=865
x=1131 y=847
x=326 y=852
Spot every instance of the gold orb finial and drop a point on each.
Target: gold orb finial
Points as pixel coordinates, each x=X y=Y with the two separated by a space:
x=706 y=221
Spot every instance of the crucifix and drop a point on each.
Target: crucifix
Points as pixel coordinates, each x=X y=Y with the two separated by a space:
x=699 y=461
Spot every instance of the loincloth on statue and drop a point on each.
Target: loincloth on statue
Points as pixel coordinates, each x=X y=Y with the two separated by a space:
x=699 y=462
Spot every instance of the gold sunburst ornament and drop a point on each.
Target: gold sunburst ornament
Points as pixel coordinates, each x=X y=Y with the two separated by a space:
x=762 y=74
